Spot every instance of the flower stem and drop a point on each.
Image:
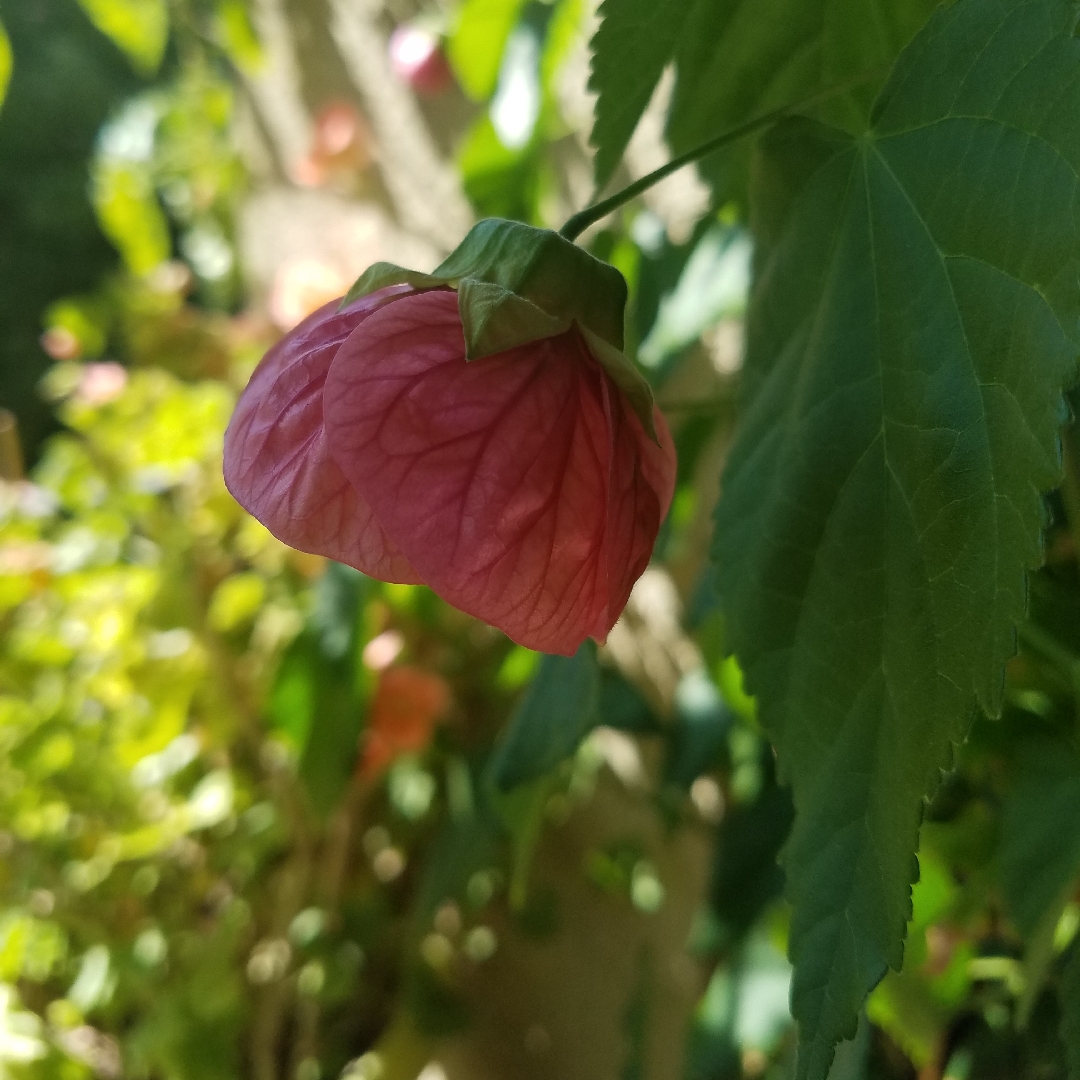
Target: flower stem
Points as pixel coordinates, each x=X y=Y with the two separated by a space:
x=580 y=221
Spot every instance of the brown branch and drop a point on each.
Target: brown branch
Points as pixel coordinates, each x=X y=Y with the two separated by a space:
x=11 y=455
x=292 y=886
x=424 y=187
x=328 y=887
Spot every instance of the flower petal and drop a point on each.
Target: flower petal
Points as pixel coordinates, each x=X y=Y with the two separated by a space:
x=640 y=492
x=515 y=485
x=277 y=463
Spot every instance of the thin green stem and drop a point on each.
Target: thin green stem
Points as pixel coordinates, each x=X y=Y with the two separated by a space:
x=580 y=221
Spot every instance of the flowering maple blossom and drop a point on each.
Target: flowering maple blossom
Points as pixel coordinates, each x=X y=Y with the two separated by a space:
x=521 y=487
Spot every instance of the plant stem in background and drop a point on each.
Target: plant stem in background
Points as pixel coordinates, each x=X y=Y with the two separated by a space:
x=11 y=456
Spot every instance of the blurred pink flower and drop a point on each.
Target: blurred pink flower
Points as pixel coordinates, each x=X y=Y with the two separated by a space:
x=300 y=287
x=417 y=59
x=522 y=487
x=341 y=146
x=61 y=344
x=101 y=382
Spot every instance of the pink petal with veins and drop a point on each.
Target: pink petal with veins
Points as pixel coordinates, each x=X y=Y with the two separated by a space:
x=277 y=462
x=521 y=487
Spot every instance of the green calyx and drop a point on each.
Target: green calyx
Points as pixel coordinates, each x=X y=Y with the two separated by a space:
x=518 y=284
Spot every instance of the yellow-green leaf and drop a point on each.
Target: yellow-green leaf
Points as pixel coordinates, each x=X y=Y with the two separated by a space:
x=139 y=28
x=130 y=216
x=5 y=63
x=476 y=44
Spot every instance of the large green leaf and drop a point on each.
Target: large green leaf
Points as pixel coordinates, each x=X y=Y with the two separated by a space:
x=736 y=59
x=739 y=58
x=913 y=323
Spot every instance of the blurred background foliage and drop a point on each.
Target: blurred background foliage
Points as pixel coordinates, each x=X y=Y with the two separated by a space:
x=261 y=817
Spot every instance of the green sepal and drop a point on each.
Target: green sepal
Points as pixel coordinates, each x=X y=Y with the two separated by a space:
x=555 y=276
x=495 y=319
x=546 y=269
x=517 y=284
x=382 y=275
x=626 y=377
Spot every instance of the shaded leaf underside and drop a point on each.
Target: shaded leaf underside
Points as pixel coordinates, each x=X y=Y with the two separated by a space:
x=633 y=44
x=912 y=327
x=737 y=59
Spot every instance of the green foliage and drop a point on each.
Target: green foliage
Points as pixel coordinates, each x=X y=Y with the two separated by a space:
x=264 y=817
x=50 y=242
x=237 y=36
x=319 y=698
x=712 y=286
x=140 y=28
x=506 y=262
x=1040 y=861
x=745 y=876
x=516 y=52
x=884 y=491
x=1070 y=1021
x=633 y=44
x=557 y=712
x=130 y=217
x=5 y=62
x=477 y=42
x=735 y=61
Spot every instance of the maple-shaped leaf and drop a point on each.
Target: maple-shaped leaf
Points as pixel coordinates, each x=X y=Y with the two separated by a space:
x=913 y=324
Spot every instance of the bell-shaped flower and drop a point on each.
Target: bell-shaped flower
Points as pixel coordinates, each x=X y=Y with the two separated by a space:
x=523 y=487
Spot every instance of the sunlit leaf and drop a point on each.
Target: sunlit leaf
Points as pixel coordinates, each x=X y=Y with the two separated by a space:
x=562 y=32
x=140 y=28
x=130 y=216
x=476 y=43
x=712 y=286
x=913 y=324
x=237 y=34
x=236 y=601
x=515 y=108
x=499 y=182
x=5 y=62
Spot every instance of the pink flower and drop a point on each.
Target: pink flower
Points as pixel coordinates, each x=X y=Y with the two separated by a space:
x=102 y=382
x=418 y=60
x=521 y=487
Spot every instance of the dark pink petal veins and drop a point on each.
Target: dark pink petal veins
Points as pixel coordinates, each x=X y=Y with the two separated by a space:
x=277 y=463
x=514 y=485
